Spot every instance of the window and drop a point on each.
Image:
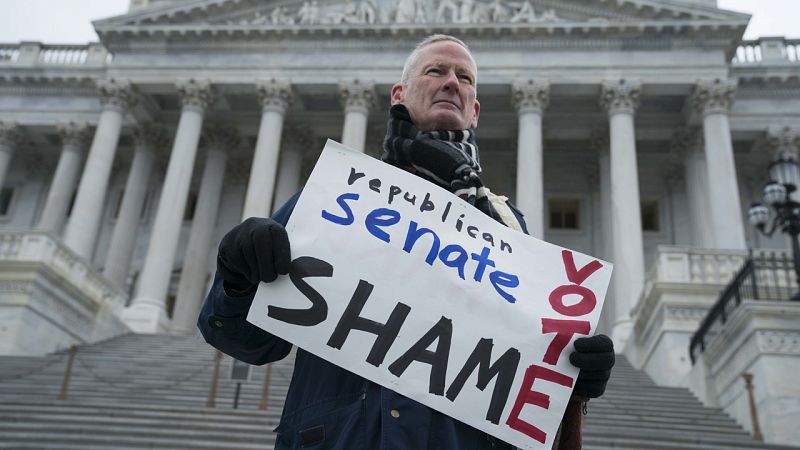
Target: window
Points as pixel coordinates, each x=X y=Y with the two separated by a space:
x=71 y=203
x=6 y=195
x=650 y=217
x=564 y=213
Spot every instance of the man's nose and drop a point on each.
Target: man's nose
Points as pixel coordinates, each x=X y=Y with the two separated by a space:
x=451 y=82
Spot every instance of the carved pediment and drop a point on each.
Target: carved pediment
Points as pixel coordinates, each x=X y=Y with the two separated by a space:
x=355 y=13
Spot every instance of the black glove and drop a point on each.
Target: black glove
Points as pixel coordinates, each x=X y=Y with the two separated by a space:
x=253 y=251
x=594 y=356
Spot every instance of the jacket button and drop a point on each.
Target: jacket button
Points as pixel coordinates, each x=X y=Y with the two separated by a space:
x=217 y=323
x=395 y=413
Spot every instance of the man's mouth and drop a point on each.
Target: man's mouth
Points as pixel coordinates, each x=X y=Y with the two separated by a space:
x=447 y=102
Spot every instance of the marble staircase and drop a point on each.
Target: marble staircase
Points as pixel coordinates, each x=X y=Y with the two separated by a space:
x=150 y=392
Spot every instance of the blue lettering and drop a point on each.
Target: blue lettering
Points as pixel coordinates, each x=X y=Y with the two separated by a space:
x=381 y=217
x=483 y=261
x=349 y=218
x=414 y=234
x=459 y=262
x=499 y=279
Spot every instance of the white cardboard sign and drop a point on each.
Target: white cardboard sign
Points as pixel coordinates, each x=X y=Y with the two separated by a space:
x=405 y=284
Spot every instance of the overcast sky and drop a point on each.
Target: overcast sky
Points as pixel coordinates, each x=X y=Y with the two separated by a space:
x=69 y=21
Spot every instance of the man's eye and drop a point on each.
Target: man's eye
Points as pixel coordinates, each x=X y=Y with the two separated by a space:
x=465 y=78
x=433 y=71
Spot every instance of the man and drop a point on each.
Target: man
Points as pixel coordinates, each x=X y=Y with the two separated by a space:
x=327 y=406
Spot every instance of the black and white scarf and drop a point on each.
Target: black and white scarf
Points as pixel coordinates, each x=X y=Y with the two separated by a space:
x=446 y=158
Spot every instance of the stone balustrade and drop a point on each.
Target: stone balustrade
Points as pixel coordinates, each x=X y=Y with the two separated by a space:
x=768 y=50
x=678 y=264
x=43 y=248
x=38 y=54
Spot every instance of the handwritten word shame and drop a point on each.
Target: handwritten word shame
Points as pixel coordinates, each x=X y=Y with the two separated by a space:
x=426 y=205
x=564 y=331
x=439 y=337
x=379 y=220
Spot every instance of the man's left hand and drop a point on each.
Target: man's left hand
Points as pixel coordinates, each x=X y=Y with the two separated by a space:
x=594 y=356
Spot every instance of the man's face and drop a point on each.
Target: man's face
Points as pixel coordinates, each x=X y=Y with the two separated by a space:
x=440 y=93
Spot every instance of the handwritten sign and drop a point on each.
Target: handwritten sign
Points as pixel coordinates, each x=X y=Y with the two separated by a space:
x=403 y=283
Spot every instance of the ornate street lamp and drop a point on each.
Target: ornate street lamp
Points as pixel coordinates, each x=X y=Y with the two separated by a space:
x=785 y=176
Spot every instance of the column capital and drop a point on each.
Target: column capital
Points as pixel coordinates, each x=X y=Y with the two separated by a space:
x=74 y=134
x=357 y=95
x=220 y=136
x=688 y=142
x=781 y=141
x=714 y=96
x=274 y=95
x=11 y=135
x=620 y=96
x=296 y=138
x=150 y=135
x=116 y=94
x=195 y=94
x=600 y=141
x=531 y=95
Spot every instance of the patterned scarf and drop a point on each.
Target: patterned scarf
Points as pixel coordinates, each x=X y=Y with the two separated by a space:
x=446 y=158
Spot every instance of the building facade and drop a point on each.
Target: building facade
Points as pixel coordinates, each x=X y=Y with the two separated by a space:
x=638 y=131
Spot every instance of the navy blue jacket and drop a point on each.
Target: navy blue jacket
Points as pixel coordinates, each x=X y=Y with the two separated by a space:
x=328 y=407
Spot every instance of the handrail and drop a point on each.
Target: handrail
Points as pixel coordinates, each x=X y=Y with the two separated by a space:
x=761 y=277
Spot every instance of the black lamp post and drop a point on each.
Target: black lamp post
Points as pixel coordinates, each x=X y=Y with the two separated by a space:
x=785 y=176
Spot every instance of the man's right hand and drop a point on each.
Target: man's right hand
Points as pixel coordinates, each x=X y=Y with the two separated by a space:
x=253 y=251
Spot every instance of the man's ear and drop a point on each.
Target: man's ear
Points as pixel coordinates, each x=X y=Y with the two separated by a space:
x=397 y=93
x=477 y=108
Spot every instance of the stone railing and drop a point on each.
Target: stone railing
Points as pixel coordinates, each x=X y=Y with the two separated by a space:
x=38 y=247
x=771 y=50
x=38 y=54
x=678 y=264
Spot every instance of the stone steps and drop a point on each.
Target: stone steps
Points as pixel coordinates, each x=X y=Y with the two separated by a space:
x=150 y=391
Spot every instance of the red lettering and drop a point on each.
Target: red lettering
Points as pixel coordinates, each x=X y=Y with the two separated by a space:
x=573 y=274
x=528 y=396
x=564 y=330
x=583 y=307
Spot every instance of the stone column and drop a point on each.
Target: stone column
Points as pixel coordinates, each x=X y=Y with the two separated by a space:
x=620 y=98
x=357 y=98
x=530 y=98
x=10 y=138
x=782 y=142
x=293 y=149
x=84 y=221
x=74 y=137
x=147 y=313
x=275 y=96
x=600 y=144
x=149 y=138
x=217 y=140
x=713 y=100
x=690 y=146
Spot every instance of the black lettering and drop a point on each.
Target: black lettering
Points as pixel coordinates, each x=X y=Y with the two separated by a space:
x=488 y=238
x=427 y=204
x=375 y=185
x=442 y=332
x=350 y=320
x=446 y=211
x=504 y=246
x=472 y=231
x=354 y=176
x=393 y=190
x=504 y=369
x=410 y=198
x=303 y=267
x=459 y=223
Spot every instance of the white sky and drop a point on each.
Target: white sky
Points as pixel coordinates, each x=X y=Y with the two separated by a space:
x=69 y=21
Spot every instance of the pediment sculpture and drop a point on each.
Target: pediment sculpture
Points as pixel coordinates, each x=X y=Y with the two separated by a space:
x=367 y=12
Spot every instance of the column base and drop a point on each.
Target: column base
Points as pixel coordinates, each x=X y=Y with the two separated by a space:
x=620 y=334
x=146 y=318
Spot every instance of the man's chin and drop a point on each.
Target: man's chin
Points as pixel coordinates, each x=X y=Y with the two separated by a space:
x=444 y=122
